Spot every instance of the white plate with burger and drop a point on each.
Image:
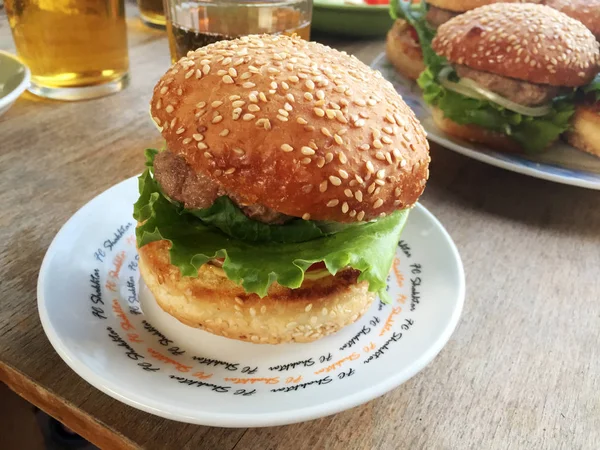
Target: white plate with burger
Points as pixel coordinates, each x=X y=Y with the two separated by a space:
x=534 y=147
x=236 y=296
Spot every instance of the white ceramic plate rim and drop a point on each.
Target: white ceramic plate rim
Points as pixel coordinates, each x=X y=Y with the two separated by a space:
x=509 y=165
x=12 y=96
x=198 y=417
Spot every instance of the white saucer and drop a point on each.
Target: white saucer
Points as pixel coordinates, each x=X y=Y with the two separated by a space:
x=560 y=163
x=127 y=347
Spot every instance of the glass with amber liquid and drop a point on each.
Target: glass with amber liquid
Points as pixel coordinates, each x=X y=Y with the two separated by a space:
x=75 y=49
x=194 y=24
x=152 y=13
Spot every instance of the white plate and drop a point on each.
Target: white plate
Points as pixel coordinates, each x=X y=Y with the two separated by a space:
x=127 y=347
x=560 y=163
x=14 y=79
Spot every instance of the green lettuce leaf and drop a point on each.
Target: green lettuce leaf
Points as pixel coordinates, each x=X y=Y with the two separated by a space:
x=414 y=14
x=369 y=248
x=534 y=134
x=592 y=90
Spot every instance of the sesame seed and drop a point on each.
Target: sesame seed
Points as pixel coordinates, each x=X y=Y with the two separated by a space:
x=205 y=69
x=282 y=118
x=348 y=193
x=343 y=174
x=263 y=97
x=377 y=144
x=287 y=107
x=358 y=195
x=325 y=132
x=403 y=163
x=345 y=207
x=273 y=85
x=381 y=174
x=224 y=133
x=371 y=188
x=216 y=104
x=201 y=105
x=217 y=119
x=247 y=117
x=332 y=203
x=335 y=180
x=320 y=95
x=386 y=140
x=283 y=112
x=342 y=157
x=301 y=121
x=307 y=151
x=287 y=148
x=360 y=216
x=323 y=186
x=239 y=151
x=305 y=160
x=164 y=90
x=377 y=203
x=248 y=85
x=253 y=108
x=207 y=154
x=370 y=167
x=309 y=84
x=388 y=158
x=201 y=146
x=308 y=96
x=238 y=103
x=245 y=75
x=328 y=157
x=319 y=112
x=198 y=137
x=169 y=108
x=186 y=141
x=290 y=97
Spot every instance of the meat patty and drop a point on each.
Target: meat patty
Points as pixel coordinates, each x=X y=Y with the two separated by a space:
x=179 y=182
x=521 y=92
x=439 y=16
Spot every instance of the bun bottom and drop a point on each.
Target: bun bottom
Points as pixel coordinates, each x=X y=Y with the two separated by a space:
x=403 y=51
x=215 y=304
x=585 y=131
x=475 y=133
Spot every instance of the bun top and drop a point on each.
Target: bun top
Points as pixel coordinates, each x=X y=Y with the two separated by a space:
x=293 y=125
x=467 y=5
x=529 y=42
x=586 y=11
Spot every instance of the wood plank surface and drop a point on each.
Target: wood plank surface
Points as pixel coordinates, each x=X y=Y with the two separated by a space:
x=522 y=371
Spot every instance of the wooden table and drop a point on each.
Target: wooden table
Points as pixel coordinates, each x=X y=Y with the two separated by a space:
x=522 y=370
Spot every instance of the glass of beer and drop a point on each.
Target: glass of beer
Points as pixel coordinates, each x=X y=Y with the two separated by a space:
x=152 y=13
x=193 y=24
x=75 y=49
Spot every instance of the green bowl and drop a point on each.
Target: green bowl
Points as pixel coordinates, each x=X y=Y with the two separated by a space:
x=335 y=17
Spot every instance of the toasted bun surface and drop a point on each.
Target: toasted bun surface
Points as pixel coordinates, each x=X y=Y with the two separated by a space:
x=475 y=133
x=586 y=11
x=403 y=51
x=467 y=5
x=293 y=125
x=215 y=304
x=585 y=131
x=529 y=42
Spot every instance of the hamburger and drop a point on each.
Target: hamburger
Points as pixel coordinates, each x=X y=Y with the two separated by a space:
x=274 y=211
x=408 y=43
x=506 y=75
x=586 y=11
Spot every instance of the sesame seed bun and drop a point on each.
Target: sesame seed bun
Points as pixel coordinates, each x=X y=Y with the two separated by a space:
x=467 y=5
x=403 y=51
x=586 y=11
x=585 y=129
x=475 y=133
x=529 y=42
x=293 y=125
x=217 y=305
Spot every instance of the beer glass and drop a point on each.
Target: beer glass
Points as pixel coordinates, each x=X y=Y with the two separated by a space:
x=152 y=13
x=75 y=49
x=193 y=24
